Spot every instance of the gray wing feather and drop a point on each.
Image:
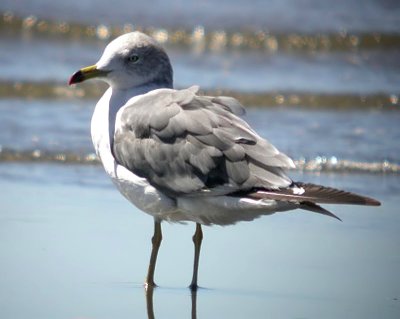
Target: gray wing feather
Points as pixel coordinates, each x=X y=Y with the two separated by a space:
x=238 y=171
x=184 y=143
x=230 y=104
x=159 y=121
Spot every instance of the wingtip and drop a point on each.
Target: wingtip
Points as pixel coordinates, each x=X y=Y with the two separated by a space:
x=369 y=201
x=373 y=202
x=329 y=195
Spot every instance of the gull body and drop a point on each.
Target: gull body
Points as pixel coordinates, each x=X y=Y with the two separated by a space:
x=203 y=209
x=182 y=157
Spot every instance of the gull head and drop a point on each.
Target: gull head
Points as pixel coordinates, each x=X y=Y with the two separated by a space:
x=131 y=60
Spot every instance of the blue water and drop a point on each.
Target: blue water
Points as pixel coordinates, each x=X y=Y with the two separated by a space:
x=281 y=15
x=359 y=135
x=72 y=247
x=334 y=72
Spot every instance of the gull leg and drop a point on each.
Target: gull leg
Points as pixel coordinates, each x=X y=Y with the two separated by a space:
x=156 y=242
x=197 y=238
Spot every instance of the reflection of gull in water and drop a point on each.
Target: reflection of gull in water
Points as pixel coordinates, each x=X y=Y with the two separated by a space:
x=150 y=304
x=180 y=156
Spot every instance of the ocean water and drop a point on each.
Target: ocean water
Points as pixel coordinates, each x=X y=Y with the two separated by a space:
x=320 y=80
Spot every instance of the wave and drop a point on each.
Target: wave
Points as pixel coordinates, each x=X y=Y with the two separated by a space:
x=318 y=164
x=201 y=39
x=54 y=90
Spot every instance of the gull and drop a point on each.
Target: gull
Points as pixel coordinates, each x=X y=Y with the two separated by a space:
x=184 y=157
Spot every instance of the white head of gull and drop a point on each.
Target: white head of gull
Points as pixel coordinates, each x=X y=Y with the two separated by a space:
x=180 y=156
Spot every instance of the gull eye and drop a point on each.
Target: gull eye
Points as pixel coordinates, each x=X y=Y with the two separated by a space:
x=133 y=58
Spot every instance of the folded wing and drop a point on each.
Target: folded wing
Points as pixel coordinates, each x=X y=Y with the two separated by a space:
x=183 y=143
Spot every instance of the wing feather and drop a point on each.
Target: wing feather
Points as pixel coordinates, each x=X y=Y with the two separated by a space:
x=312 y=193
x=184 y=143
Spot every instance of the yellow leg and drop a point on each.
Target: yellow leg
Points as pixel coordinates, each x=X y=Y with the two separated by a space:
x=156 y=242
x=197 y=238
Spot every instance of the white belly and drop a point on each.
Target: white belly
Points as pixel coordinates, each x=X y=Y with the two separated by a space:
x=140 y=193
x=206 y=210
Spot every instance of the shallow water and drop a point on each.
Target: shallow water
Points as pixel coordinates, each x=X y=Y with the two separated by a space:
x=283 y=15
x=62 y=128
x=334 y=72
x=320 y=81
x=74 y=248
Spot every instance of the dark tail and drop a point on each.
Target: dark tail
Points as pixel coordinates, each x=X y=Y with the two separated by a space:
x=328 y=195
x=309 y=195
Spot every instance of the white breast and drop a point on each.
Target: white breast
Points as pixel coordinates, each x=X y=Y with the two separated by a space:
x=136 y=189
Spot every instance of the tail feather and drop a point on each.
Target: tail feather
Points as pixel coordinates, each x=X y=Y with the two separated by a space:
x=317 y=209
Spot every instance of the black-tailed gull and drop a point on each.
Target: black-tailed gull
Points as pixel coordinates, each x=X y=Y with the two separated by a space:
x=180 y=157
